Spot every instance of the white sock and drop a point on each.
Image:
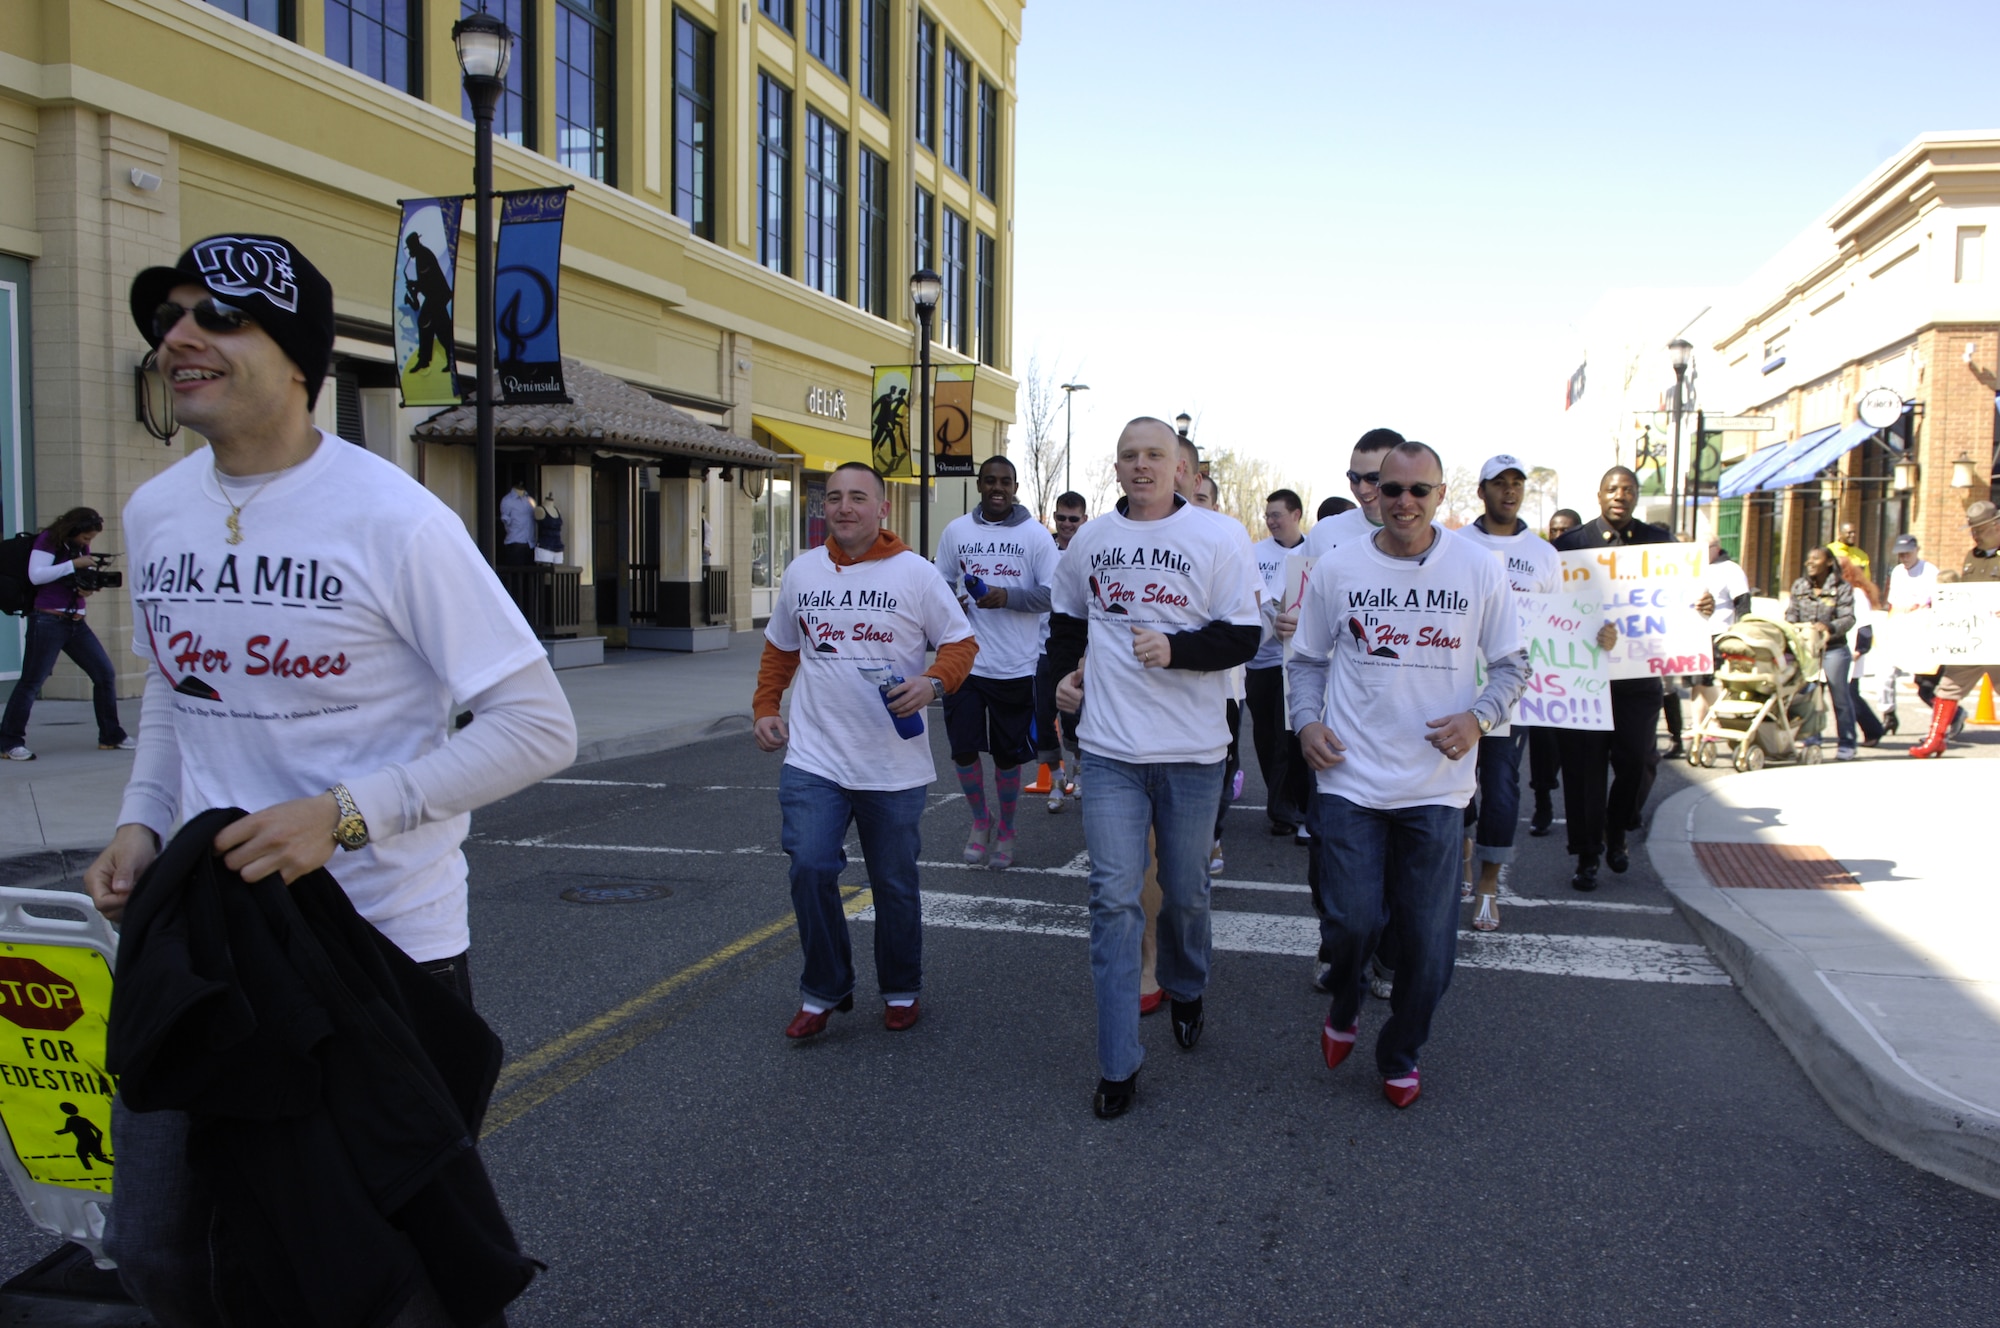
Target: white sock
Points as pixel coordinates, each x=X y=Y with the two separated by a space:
x=812 y=1007
x=904 y=1000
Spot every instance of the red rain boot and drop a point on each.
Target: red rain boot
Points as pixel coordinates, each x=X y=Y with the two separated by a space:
x=1941 y=713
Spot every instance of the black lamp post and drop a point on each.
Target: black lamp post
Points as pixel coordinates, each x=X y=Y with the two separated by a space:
x=1682 y=353
x=485 y=48
x=1183 y=422
x=925 y=289
x=1069 y=424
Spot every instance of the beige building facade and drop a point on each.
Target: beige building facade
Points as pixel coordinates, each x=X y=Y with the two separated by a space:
x=752 y=186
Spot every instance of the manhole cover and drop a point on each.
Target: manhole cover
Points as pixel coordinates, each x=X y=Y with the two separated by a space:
x=614 y=894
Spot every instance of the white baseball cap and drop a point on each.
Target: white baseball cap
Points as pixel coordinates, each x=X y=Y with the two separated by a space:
x=1496 y=464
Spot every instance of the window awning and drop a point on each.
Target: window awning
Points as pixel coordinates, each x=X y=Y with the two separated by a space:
x=821 y=449
x=1805 y=463
x=1748 y=475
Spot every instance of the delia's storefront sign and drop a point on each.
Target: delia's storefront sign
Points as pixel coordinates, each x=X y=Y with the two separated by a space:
x=829 y=402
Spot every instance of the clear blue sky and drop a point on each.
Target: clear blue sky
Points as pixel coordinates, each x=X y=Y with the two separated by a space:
x=1296 y=221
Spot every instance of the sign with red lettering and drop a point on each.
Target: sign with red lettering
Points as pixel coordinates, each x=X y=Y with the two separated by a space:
x=1648 y=592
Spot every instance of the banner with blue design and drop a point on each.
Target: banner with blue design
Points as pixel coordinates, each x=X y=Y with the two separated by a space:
x=426 y=272
x=527 y=344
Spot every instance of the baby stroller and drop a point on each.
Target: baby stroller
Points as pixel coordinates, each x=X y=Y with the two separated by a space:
x=1773 y=696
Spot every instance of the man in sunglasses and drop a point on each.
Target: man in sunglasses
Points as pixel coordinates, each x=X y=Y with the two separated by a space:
x=302 y=668
x=1389 y=711
x=1071 y=512
x=1600 y=816
x=1364 y=466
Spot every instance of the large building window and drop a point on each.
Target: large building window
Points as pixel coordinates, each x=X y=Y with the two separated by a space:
x=871 y=249
x=957 y=94
x=954 y=307
x=774 y=166
x=586 y=98
x=514 y=117
x=376 y=38
x=270 y=15
x=988 y=311
x=926 y=81
x=826 y=33
x=989 y=139
x=694 y=125
x=872 y=48
x=778 y=11
x=826 y=206
x=924 y=223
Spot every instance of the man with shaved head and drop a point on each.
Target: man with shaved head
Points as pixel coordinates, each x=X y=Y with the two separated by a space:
x=1164 y=595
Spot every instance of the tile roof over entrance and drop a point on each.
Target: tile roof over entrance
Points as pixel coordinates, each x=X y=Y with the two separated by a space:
x=603 y=412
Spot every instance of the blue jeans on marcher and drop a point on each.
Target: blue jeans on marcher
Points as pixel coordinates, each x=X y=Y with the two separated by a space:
x=1499 y=796
x=51 y=635
x=1176 y=801
x=1396 y=868
x=1834 y=664
x=817 y=813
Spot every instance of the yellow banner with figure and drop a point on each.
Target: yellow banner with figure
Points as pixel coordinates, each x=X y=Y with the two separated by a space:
x=889 y=420
x=55 y=1096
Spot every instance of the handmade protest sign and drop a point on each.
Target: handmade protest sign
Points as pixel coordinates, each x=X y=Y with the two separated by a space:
x=1648 y=592
x=1960 y=628
x=1569 y=683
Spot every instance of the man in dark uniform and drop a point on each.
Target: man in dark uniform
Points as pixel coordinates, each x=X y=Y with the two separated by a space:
x=1600 y=818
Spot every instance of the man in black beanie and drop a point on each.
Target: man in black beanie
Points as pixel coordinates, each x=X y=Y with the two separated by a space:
x=309 y=615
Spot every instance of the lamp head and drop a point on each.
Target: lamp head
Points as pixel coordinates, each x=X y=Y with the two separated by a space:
x=485 y=45
x=1683 y=352
x=926 y=288
x=1182 y=422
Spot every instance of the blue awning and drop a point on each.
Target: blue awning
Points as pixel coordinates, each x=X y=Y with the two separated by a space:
x=1748 y=475
x=1806 y=463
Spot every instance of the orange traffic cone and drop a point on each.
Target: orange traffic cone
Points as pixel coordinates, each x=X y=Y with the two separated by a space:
x=1983 y=712
x=1043 y=784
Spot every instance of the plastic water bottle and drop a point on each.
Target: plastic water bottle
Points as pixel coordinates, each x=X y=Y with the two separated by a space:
x=907 y=726
x=975 y=587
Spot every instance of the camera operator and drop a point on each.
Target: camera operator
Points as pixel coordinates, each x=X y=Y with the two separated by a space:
x=56 y=627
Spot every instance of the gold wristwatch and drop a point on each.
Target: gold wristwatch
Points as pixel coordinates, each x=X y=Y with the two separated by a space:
x=350 y=832
x=1485 y=724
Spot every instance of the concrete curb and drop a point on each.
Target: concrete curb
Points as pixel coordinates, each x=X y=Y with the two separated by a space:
x=1861 y=1077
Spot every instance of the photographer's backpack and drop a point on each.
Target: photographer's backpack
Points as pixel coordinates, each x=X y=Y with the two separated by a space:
x=17 y=593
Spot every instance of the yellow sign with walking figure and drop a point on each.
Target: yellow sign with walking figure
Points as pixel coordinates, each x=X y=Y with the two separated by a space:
x=55 y=1097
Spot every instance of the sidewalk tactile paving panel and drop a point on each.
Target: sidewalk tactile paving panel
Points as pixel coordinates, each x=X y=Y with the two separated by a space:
x=1773 y=867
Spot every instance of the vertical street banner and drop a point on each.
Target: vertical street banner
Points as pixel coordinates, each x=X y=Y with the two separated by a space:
x=889 y=420
x=1569 y=678
x=527 y=266
x=426 y=270
x=951 y=421
x=1648 y=591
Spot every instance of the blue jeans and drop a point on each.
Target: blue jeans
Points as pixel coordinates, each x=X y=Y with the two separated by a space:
x=1499 y=796
x=50 y=635
x=817 y=813
x=1397 y=869
x=1834 y=664
x=1177 y=802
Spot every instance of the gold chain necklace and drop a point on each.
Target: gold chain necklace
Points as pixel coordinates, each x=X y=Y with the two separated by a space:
x=234 y=521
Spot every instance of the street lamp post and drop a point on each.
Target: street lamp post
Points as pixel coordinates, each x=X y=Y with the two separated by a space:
x=485 y=48
x=1682 y=353
x=1069 y=425
x=1183 y=422
x=925 y=288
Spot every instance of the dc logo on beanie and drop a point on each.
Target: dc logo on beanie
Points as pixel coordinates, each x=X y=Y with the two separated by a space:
x=231 y=265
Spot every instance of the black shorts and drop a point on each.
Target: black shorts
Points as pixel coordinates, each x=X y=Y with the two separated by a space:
x=992 y=715
x=1044 y=735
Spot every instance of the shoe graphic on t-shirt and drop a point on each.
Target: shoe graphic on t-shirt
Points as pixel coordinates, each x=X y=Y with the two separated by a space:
x=1361 y=639
x=821 y=646
x=1108 y=606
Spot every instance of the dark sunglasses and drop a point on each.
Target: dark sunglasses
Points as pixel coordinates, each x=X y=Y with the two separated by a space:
x=1062 y=520
x=1391 y=489
x=210 y=315
x=1356 y=477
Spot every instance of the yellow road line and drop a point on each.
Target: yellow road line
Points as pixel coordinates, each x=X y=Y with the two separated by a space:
x=567 y=1047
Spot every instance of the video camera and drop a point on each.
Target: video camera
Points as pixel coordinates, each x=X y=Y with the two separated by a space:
x=98 y=576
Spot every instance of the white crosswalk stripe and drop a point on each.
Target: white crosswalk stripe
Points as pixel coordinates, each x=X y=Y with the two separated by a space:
x=1611 y=957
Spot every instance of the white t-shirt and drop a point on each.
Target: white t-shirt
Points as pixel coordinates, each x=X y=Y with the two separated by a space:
x=1724 y=580
x=327 y=645
x=1402 y=639
x=880 y=614
x=1341 y=528
x=1044 y=645
x=1270 y=556
x=1912 y=588
x=1005 y=557
x=1177 y=574
x=1533 y=567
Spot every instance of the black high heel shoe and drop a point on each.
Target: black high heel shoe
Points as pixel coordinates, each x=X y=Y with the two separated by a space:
x=1889 y=723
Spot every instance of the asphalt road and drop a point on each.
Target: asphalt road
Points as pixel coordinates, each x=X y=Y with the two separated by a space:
x=1588 y=1150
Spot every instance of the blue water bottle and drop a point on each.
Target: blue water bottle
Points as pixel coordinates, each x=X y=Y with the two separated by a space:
x=975 y=587
x=907 y=726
